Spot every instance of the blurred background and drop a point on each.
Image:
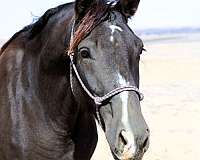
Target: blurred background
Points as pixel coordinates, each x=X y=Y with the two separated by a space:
x=155 y=14
x=170 y=70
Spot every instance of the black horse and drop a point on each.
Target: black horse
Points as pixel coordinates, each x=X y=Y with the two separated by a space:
x=79 y=62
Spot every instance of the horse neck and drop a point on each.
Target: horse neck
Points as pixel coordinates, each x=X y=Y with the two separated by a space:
x=37 y=70
x=37 y=90
x=59 y=99
x=53 y=79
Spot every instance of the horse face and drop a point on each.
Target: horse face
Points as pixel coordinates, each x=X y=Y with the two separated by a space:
x=109 y=58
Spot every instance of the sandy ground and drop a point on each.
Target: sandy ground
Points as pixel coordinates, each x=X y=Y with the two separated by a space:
x=170 y=81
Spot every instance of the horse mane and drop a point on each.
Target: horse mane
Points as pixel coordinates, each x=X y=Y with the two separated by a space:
x=36 y=27
x=95 y=15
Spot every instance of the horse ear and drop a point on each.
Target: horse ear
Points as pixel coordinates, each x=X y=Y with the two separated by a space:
x=82 y=7
x=128 y=7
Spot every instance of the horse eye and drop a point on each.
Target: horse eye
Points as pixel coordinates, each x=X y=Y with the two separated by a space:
x=85 y=52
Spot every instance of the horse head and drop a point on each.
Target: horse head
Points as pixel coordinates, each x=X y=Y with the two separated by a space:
x=48 y=108
x=105 y=56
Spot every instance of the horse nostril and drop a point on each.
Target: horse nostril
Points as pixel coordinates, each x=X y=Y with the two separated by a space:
x=145 y=142
x=123 y=137
x=129 y=141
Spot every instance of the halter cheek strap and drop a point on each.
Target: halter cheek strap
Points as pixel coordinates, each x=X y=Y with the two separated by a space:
x=97 y=99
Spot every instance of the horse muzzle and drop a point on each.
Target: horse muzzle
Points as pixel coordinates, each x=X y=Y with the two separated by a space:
x=128 y=149
x=126 y=130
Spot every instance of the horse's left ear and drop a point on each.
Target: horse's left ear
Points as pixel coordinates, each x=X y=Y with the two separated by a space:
x=82 y=7
x=128 y=7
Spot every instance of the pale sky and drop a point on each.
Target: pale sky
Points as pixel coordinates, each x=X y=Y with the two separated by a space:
x=14 y=14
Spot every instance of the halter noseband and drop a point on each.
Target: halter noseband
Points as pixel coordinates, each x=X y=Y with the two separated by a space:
x=98 y=100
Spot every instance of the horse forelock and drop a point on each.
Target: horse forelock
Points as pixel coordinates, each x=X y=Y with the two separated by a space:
x=95 y=15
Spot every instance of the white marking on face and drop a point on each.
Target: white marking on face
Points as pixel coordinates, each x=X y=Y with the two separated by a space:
x=113 y=28
x=131 y=146
x=124 y=99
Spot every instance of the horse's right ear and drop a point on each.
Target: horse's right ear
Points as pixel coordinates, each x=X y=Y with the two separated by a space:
x=82 y=7
x=128 y=7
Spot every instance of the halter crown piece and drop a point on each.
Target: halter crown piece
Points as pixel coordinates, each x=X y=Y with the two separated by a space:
x=112 y=2
x=97 y=99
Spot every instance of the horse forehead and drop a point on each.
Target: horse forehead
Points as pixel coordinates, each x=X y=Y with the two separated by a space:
x=116 y=23
x=115 y=27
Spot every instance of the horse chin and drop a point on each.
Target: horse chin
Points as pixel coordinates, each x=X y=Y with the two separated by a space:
x=127 y=156
x=125 y=152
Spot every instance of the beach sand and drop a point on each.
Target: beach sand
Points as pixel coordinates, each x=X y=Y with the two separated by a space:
x=170 y=81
